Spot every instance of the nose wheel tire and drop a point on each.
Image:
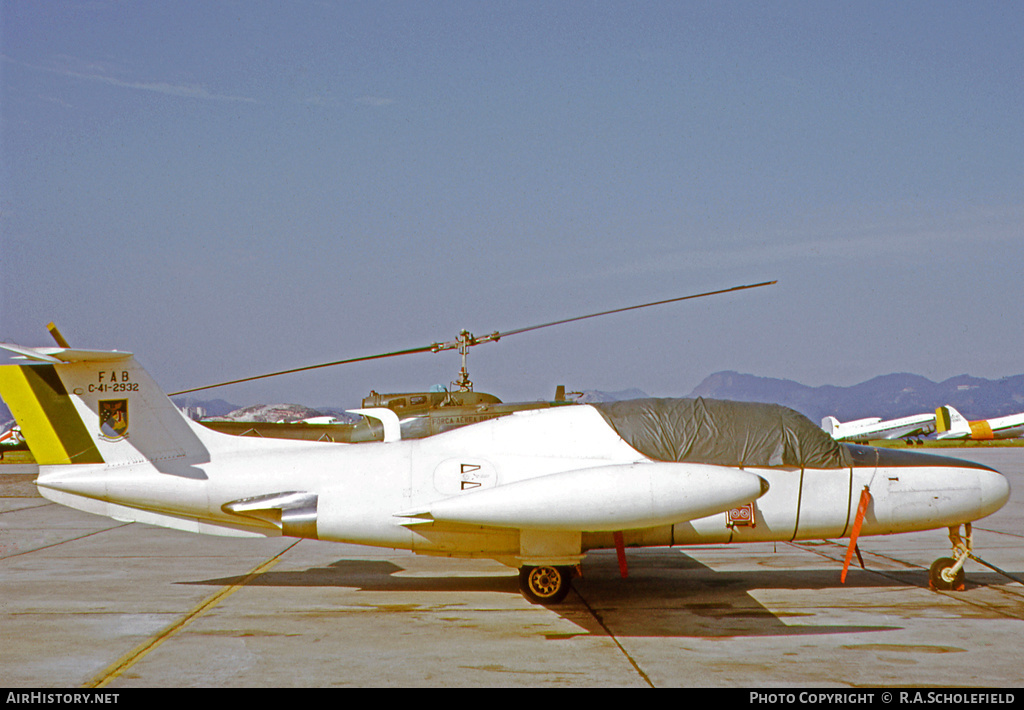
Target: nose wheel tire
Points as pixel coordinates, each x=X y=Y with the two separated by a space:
x=939 y=576
x=545 y=584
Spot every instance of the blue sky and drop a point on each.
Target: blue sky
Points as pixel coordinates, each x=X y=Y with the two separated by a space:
x=230 y=188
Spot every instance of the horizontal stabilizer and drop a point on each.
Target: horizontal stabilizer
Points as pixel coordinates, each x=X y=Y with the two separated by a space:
x=606 y=498
x=60 y=355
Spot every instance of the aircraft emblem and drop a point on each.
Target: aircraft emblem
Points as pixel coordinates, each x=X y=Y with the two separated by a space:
x=113 y=419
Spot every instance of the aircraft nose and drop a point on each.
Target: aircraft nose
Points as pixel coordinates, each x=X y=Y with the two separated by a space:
x=931 y=490
x=995 y=490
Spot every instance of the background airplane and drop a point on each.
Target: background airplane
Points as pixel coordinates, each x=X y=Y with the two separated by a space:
x=863 y=430
x=12 y=438
x=953 y=425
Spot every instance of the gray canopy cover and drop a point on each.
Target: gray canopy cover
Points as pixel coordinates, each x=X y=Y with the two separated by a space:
x=723 y=433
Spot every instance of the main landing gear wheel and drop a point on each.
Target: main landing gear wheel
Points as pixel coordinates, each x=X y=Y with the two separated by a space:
x=941 y=575
x=545 y=584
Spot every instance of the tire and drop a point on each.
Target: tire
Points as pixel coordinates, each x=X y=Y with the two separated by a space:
x=545 y=584
x=936 y=580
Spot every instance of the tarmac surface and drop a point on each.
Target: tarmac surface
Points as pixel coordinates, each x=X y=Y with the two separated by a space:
x=86 y=601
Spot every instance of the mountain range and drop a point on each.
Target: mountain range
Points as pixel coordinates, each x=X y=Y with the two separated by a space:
x=886 y=396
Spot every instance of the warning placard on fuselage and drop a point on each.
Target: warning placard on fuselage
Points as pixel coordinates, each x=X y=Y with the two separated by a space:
x=462 y=475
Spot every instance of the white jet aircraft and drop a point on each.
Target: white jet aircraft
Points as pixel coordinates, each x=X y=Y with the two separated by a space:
x=865 y=430
x=11 y=437
x=536 y=489
x=953 y=425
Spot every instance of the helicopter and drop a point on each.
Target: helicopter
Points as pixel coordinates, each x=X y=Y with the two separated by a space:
x=419 y=414
x=535 y=489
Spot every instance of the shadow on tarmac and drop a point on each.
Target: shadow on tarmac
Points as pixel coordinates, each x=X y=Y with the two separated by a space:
x=667 y=594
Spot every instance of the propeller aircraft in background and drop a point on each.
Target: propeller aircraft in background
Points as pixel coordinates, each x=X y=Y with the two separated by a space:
x=865 y=430
x=953 y=425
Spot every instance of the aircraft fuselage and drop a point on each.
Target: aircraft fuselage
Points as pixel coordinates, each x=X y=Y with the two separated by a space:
x=400 y=494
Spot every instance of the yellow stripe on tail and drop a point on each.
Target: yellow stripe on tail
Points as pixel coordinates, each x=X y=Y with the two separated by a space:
x=49 y=422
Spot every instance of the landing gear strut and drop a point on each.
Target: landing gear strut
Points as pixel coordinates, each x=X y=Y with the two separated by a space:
x=947 y=574
x=545 y=584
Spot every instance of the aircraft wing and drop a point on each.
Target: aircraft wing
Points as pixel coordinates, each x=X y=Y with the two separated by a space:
x=61 y=355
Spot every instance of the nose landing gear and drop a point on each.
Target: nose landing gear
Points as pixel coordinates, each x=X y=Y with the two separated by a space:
x=946 y=573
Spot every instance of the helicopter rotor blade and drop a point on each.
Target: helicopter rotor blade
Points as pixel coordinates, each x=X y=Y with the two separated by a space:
x=410 y=351
x=467 y=340
x=632 y=308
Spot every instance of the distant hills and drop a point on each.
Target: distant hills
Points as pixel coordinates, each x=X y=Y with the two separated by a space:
x=219 y=409
x=886 y=396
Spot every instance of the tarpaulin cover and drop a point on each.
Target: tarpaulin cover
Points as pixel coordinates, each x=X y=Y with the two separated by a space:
x=723 y=433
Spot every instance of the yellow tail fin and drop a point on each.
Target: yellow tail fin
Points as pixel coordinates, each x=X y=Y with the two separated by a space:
x=48 y=419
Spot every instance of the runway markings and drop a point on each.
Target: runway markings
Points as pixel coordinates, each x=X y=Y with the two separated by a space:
x=998 y=532
x=600 y=620
x=139 y=652
x=7 y=552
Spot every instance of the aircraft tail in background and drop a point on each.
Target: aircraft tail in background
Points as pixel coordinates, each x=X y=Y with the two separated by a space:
x=950 y=424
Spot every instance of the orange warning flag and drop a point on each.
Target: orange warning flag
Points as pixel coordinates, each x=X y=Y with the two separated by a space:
x=865 y=498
